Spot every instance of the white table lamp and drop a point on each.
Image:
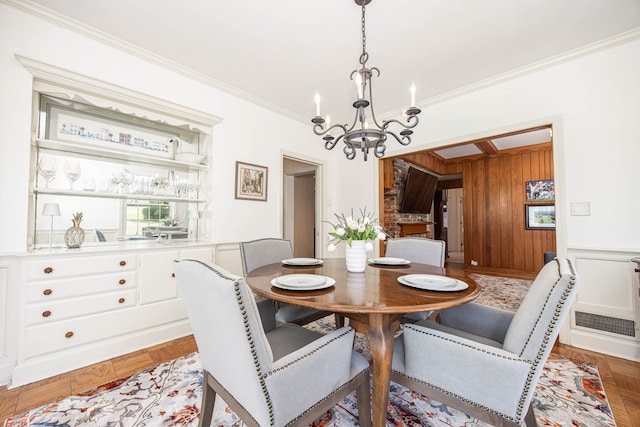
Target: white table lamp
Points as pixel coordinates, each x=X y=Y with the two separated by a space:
x=51 y=209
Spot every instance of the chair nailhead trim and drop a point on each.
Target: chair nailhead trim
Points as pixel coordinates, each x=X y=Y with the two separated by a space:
x=254 y=353
x=534 y=364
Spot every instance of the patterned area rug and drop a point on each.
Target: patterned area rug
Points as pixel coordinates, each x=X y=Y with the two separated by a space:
x=569 y=393
x=501 y=292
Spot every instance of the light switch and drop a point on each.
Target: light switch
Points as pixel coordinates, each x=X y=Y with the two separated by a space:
x=580 y=208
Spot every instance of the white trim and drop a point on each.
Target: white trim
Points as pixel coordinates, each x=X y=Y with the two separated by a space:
x=527 y=69
x=123 y=45
x=50 y=79
x=95 y=34
x=320 y=187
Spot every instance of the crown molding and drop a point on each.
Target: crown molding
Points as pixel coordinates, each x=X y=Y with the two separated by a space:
x=603 y=44
x=95 y=34
x=90 y=32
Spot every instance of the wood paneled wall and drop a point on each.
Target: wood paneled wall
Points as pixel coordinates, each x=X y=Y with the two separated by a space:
x=494 y=204
x=494 y=210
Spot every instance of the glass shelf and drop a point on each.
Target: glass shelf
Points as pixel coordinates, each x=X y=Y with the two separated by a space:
x=107 y=195
x=86 y=150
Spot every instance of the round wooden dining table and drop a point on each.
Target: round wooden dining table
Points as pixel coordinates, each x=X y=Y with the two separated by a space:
x=373 y=301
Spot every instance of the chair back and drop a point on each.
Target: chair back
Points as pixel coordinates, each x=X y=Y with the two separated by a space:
x=417 y=249
x=537 y=322
x=227 y=328
x=257 y=253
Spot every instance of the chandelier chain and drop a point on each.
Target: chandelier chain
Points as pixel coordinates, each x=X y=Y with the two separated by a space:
x=364 y=34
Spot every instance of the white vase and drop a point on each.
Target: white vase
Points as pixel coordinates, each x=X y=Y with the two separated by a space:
x=356 y=256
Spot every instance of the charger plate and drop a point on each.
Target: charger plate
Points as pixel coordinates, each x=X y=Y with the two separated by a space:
x=302 y=282
x=302 y=261
x=389 y=261
x=432 y=282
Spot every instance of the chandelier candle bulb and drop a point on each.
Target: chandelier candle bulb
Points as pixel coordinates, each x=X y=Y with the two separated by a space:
x=317 y=99
x=413 y=95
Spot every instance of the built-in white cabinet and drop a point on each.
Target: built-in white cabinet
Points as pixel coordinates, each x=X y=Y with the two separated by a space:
x=80 y=307
x=133 y=178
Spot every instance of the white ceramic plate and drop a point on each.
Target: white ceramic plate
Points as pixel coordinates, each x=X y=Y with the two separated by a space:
x=432 y=282
x=389 y=261
x=302 y=261
x=302 y=282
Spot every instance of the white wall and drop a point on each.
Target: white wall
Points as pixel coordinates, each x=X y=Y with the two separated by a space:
x=595 y=101
x=247 y=133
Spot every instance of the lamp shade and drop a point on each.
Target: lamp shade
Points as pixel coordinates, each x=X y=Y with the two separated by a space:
x=51 y=209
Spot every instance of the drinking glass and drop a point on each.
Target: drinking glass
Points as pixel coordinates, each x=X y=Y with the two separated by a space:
x=72 y=171
x=126 y=177
x=48 y=168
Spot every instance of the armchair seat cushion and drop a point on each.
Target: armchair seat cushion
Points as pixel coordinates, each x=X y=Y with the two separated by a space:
x=289 y=313
x=288 y=338
x=460 y=333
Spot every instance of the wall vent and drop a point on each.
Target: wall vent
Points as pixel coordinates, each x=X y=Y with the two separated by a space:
x=606 y=323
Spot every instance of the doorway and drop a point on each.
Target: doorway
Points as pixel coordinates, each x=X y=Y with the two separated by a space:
x=454 y=223
x=299 y=206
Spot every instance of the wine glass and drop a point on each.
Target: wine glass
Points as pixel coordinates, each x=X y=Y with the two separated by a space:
x=48 y=168
x=72 y=171
x=126 y=177
x=114 y=181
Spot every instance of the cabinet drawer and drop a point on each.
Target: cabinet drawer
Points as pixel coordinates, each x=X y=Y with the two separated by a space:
x=52 y=268
x=48 y=290
x=67 y=334
x=75 y=307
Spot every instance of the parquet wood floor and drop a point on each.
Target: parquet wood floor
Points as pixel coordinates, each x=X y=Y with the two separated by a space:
x=621 y=377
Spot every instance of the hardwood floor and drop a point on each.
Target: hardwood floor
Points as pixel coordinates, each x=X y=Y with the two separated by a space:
x=621 y=377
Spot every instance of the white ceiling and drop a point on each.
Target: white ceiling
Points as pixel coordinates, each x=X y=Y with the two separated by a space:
x=280 y=52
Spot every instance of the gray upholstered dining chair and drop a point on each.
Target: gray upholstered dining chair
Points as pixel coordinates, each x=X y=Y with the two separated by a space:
x=269 y=375
x=256 y=253
x=417 y=249
x=486 y=361
x=420 y=250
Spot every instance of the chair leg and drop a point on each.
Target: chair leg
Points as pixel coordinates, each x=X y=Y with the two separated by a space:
x=530 y=418
x=208 y=402
x=339 y=320
x=363 y=395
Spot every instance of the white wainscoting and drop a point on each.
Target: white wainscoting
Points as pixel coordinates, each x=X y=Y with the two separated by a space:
x=228 y=257
x=606 y=314
x=8 y=312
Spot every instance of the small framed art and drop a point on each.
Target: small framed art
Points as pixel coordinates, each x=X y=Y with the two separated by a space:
x=540 y=217
x=251 y=181
x=540 y=191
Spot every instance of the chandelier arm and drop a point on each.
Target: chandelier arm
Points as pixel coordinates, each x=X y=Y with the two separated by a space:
x=319 y=130
x=404 y=140
x=412 y=121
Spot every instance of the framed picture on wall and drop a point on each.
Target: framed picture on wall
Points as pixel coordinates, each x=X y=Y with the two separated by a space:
x=251 y=182
x=542 y=190
x=540 y=217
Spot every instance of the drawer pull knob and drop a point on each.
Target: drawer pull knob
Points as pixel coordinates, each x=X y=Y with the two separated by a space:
x=48 y=270
x=47 y=292
x=68 y=334
x=121 y=300
x=123 y=263
x=122 y=281
x=46 y=313
x=173 y=274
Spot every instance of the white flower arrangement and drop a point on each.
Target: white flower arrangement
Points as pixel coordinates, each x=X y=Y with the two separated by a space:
x=349 y=229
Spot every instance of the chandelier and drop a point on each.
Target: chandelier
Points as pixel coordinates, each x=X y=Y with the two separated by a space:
x=365 y=132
